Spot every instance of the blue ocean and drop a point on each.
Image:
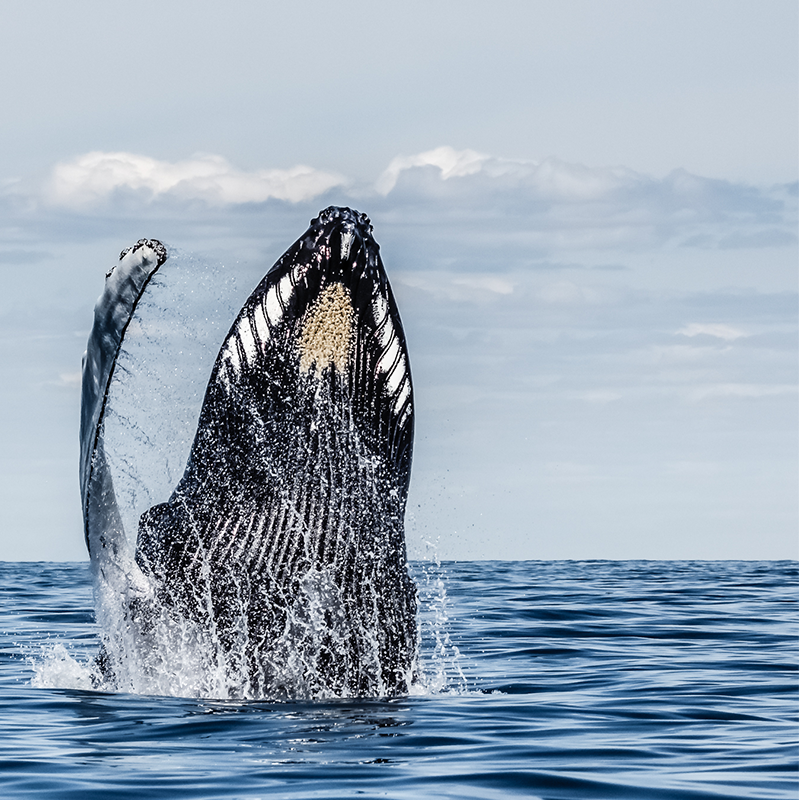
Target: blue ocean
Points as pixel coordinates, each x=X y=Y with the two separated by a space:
x=559 y=679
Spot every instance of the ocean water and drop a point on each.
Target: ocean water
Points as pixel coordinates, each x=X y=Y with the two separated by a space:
x=560 y=679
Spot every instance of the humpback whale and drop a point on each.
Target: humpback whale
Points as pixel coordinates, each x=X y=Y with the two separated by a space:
x=282 y=546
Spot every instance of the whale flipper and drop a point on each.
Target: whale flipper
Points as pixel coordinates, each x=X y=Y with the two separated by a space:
x=125 y=284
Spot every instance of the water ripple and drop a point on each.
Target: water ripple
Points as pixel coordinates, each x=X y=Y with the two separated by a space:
x=563 y=680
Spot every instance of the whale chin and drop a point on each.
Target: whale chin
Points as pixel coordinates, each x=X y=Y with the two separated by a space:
x=282 y=546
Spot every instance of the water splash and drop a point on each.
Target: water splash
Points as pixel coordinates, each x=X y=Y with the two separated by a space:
x=57 y=668
x=182 y=660
x=439 y=664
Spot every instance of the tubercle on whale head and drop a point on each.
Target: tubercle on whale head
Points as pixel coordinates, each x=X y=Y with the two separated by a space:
x=346 y=215
x=339 y=248
x=339 y=240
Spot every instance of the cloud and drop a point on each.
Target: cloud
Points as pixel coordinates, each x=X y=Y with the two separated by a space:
x=551 y=204
x=719 y=330
x=449 y=209
x=94 y=177
x=549 y=178
x=451 y=163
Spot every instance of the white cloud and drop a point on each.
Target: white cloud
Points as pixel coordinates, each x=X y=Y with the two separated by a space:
x=451 y=163
x=94 y=177
x=719 y=330
x=552 y=205
x=550 y=178
x=558 y=179
x=499 y=210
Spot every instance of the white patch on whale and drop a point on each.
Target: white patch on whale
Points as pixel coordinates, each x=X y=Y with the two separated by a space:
x=248 y=341
x=261 y=323
x=272 y=306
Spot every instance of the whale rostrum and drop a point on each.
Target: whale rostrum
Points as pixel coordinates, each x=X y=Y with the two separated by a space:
x=283 y=543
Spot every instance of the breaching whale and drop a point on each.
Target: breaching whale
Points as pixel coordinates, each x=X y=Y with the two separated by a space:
x=283 y=542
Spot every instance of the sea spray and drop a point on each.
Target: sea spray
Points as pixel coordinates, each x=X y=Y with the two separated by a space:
x=439 y=665
x=181 y=660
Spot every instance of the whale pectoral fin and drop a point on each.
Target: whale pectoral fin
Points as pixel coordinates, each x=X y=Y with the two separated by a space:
x=124 y=287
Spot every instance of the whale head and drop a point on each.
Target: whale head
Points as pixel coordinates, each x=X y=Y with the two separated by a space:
x=325 y=313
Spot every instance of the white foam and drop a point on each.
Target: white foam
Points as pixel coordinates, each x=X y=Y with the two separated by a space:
x=57 y=669
x=439 y=670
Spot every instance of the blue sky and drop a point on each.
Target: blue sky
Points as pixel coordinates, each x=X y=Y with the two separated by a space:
x=588 y=212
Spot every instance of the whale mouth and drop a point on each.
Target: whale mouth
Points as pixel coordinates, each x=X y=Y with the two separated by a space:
x=280 y=552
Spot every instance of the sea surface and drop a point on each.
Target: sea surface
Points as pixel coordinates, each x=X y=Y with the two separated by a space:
x=541 y=679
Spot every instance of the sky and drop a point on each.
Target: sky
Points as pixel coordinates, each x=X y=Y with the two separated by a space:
x=588 y=213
